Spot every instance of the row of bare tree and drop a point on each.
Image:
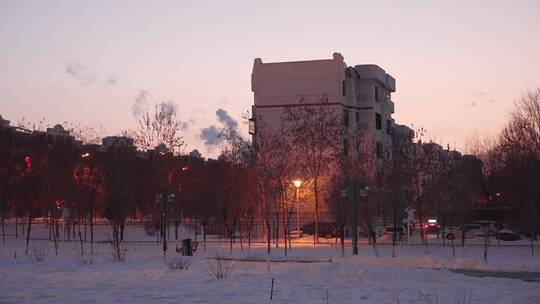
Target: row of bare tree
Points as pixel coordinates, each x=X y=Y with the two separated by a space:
x=314 y=143
x=511 y=163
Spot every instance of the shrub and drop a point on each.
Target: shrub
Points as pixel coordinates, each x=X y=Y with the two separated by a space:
x=178 y=262
x=39 y=250
x=150 y=227
x=218 y=268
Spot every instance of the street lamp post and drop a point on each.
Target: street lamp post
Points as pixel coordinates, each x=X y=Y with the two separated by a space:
x=164 y=198
x=354 y=218
x=410 y=216
x=342 y=221
x=365 y=194
x=297 y=184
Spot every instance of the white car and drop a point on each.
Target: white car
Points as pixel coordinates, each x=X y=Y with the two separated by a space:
x=296 y=234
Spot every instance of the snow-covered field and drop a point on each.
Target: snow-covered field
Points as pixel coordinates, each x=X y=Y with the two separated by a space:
x=144 y=278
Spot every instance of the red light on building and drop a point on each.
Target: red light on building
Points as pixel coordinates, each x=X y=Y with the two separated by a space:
x=60 y=203
x=169 y=178
x=28 y=163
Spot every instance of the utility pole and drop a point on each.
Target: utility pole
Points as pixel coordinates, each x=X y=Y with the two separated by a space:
x=164 y=221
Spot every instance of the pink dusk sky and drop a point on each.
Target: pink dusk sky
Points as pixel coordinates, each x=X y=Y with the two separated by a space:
x=459 y=65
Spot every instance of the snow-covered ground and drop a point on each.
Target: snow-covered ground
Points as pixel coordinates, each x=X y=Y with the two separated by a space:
x=144 y=278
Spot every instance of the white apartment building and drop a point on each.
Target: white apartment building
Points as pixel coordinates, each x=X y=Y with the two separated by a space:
x=361 y=93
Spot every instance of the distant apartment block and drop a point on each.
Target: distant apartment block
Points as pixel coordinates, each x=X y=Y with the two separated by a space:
x=362 y=94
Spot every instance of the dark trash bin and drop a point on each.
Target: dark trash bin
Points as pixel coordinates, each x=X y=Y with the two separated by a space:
x=186 y=247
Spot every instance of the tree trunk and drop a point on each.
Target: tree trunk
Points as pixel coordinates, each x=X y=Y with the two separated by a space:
x=268 y=236
x=28 y=231
x=421 y=219
x=241 y=235
x=316 y=224
x=232 y=236
x=249 y=234
x=122 y=232
x=55 y=238
x=285 y=224
x=204 y=225
x=73 y=229
x=372 y=233
x=81 y=241
x=3 y=227
x=342 y=238
x=91 y=231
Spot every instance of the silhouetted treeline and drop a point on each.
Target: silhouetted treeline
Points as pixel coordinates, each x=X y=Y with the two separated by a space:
x=54 y=176
x=511 y=164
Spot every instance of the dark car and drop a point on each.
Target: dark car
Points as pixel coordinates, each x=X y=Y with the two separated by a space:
x=390 y=231
x=326 y=229
x=508 y=235
x=431 y=228
x=469 y=227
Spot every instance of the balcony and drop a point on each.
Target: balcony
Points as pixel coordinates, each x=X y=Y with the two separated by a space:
x=391 y=107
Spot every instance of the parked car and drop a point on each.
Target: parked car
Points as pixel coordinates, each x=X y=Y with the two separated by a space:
x=390 y=231
x=508 y=235
x=326 y=229
x=468 y=227
x=486 y=226
x=431 y=228
x=296 y=234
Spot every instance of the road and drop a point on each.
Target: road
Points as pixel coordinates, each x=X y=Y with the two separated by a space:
x=519 y=275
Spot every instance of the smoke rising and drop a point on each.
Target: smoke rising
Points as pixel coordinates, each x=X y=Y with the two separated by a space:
x=109 y=83
x=141 y=103
x=79 y=73
x=211 y=135
x=226 y=119
x=166 y=110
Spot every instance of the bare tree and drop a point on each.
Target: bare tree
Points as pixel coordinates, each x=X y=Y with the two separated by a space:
x=316 y=138
x=162 y=127
x=271 y=163
x=119 y=184
x=520 y=148
x=7 y=173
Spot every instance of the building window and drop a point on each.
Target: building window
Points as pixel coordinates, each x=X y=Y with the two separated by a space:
x=356 y=117
x=251 y=126
x=377 y=93
x=388 y=126
x=378 y=121
x=345 y=147
x=346 y=118
x=344 y=88
x=379 y=150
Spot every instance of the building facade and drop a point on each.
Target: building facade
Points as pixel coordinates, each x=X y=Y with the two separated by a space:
x=361 y=94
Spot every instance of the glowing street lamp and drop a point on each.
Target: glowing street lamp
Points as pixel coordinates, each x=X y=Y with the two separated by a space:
x=297 y=183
